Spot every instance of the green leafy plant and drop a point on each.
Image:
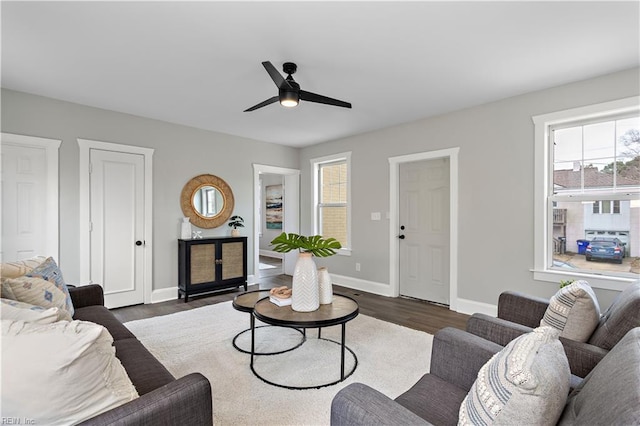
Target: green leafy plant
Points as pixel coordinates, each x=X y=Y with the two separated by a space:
x=564 y=283
x=315 y=244
x=236 y=222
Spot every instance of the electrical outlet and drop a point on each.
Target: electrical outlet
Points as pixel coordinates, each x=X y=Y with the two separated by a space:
x=357 y=267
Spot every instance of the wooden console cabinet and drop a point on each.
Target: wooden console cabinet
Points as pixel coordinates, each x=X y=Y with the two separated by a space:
x=210 y=264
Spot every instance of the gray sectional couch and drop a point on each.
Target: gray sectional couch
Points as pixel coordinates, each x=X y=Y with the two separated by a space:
x=609 y=395
x=164 y=400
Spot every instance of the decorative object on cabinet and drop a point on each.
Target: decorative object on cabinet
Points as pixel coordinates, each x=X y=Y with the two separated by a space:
x=306 y=291
x=210 y=264
x=235 y=223
x=207 y=201
x=185 y=229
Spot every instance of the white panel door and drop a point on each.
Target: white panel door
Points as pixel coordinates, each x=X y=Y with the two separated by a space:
x=29 y=209
x=424 y=230
x=117 y=226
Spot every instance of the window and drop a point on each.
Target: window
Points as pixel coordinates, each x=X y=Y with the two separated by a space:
x=331 y=198
x=588 y=186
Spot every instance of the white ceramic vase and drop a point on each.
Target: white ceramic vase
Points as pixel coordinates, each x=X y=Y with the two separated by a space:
x=235 y=232
x=325 y=286
x=305 y=295
x=185 y=230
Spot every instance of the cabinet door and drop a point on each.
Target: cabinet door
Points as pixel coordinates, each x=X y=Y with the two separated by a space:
x=203 y=263
x=233 y=260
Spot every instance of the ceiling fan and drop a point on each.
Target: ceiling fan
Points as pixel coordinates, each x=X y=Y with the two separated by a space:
x=289 y=93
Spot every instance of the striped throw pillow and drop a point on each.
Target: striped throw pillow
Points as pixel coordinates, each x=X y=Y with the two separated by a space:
x=574 y=311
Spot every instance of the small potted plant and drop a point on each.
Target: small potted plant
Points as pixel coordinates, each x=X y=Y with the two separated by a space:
x=236 y=222
x=310 y=287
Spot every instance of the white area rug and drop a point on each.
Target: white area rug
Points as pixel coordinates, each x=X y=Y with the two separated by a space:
x=391 y=359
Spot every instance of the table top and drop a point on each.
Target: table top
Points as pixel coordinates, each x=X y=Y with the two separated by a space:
x=244 y=302
x=342 y=309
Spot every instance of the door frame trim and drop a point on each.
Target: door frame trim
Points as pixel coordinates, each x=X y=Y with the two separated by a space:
x=86 y=146
x=394 y=203
x=291 y=207
x=51 y=147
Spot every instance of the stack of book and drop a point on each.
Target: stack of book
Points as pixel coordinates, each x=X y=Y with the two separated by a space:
x=280 y=296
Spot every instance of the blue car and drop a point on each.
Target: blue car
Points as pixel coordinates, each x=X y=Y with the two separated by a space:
x=605 y=248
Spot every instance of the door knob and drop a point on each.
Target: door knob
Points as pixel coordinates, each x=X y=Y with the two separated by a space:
x=401 y=236
x=138 y=243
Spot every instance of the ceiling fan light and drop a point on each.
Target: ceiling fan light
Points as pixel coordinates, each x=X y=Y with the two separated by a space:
x=288 y=99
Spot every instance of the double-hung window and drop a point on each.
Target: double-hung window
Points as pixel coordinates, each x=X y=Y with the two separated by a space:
x=587 y=219
x=332 y=195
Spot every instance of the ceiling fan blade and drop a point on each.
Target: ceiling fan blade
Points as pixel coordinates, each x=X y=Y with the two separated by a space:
x=277 y=78
x=263 y=103
x=313 y=97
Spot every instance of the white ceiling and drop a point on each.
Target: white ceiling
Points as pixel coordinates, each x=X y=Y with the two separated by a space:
x=199 y=63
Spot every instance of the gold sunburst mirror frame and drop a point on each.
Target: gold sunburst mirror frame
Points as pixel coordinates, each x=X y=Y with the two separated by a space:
x=207 y=201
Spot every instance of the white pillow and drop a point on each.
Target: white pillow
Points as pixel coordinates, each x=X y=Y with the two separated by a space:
x=61 y=373
x=36 y=291
x=574 y=311
x=526 y=383
x=14 y=310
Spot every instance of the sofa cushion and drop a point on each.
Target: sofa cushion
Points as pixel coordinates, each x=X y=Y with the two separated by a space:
x=103 y=316
x=622 y=316
x=35 y=291
x=439 y=408
x=574 y=311
x=20 y=267
x=20 y=311
x=525 y=383
x=48 y=270
x=610 y=394
x=61 y=373
x=146 y=372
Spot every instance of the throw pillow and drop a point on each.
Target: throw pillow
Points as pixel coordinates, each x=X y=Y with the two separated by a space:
x=14 y=310
x=20 y=267
x=574 y=311
x=61 y=373
x=36 y=291
x=48 y=270
x=527 y=382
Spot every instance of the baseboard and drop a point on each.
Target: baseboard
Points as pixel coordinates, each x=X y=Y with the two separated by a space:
x=164 y=294
x=470 y=307
x=271 y=253
x=381 y=289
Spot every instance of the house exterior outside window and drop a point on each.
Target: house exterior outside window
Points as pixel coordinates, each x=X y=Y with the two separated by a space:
x=332 y=192
x=588 y=187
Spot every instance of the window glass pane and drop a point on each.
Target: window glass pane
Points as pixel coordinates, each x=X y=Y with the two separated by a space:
x=599 y=141
x=333 y=222
x=584 y=240
x=628 y=151
x=334 y=183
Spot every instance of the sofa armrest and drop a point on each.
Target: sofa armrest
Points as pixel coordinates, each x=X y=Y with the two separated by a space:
x=358 y=404
x=86 y=295
x=496 y=330
x=582 y=357
x=522 y=308
x=457 y=356
x=186 y=401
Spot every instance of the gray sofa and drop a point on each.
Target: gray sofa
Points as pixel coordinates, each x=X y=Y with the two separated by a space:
x=163 y=399
x=519 y=313
x=609 y=395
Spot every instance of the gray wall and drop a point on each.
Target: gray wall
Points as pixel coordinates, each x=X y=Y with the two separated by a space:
x=496 y=176
x=180 y=153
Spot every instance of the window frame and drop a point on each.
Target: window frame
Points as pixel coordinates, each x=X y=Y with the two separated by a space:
x=543 y=189
x=316 y=164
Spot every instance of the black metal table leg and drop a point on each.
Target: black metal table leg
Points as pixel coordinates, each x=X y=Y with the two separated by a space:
x=342 y=352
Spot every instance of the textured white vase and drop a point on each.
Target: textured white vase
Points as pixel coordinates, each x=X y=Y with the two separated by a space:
x=235 y=232
x=325 y=286
x=305 y=295
x=185 y=230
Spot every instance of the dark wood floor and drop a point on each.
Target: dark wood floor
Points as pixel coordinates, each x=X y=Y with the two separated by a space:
x=411 y=313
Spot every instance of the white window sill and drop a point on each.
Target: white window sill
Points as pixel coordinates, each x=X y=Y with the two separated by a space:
x=344 y=252
x=604 y=282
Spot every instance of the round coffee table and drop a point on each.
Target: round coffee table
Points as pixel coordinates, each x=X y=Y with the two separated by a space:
x=342 y=310
x=245 y=302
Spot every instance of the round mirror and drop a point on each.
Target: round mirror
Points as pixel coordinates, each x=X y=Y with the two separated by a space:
x=207 y=201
